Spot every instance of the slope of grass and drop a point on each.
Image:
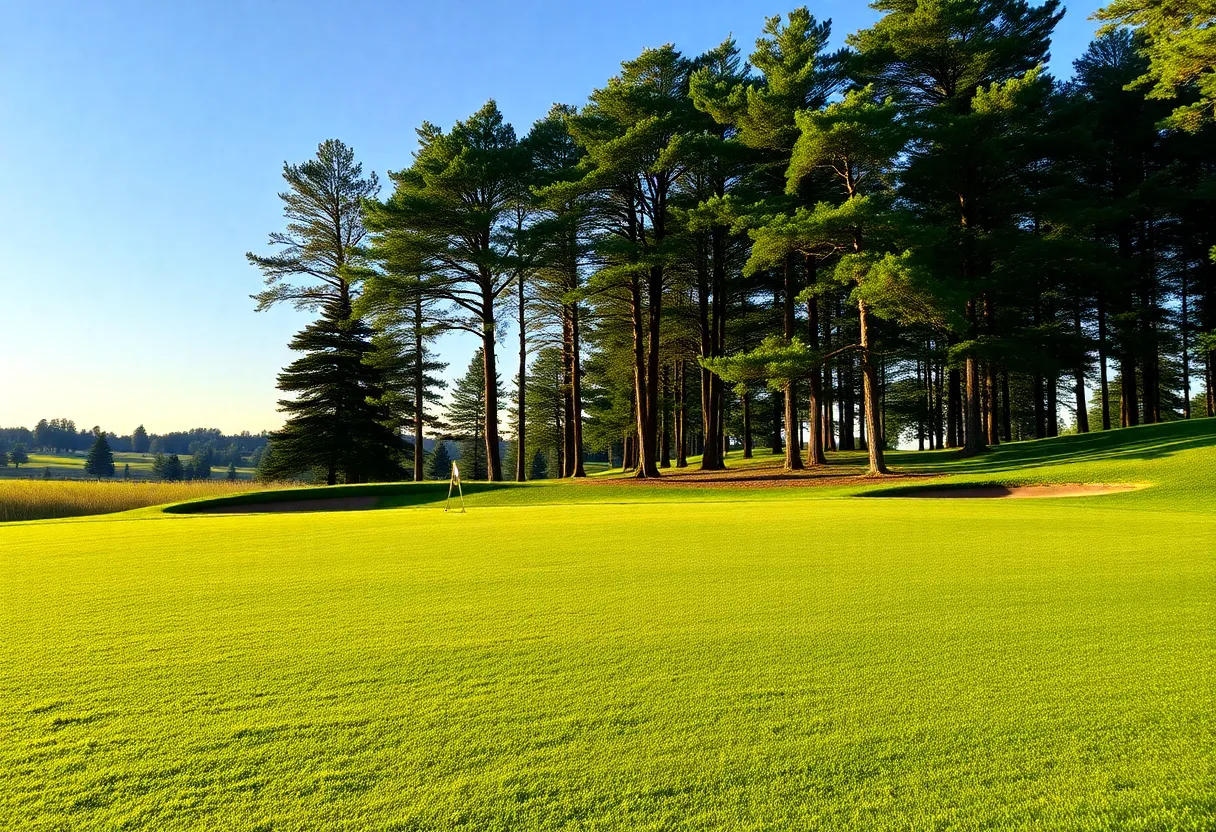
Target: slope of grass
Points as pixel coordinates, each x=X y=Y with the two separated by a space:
x=1147 y=454
x=758 y=661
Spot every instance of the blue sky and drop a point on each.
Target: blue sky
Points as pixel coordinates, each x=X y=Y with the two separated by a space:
x=141 y=146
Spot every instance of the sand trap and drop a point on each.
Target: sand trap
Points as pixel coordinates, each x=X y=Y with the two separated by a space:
x=1014 y=492
x=328 y=504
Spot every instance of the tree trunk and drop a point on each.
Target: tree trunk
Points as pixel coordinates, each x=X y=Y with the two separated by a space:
x=419 y=382
x=1079 y=380
x=681 y=415
x=990 y=386
x=776 y=403
x=665 y=444
x=814 y=409
x=1053 y=406
x=973 y=441
x=1006 y=408
x=521 y=421
x=954 y=408
x=574 y=458
x=878 y=464
x=711 y=399
x=1129 y=407
x=747 y=426
x=493 y=458
x=793 y=459
x=1186 y=358
x=648 y=380
x=1040 y=414
x=1104 y=383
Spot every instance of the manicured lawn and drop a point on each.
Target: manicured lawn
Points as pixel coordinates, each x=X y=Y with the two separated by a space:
x=612 y=656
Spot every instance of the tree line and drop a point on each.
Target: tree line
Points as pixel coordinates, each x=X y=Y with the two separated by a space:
x=923 y=236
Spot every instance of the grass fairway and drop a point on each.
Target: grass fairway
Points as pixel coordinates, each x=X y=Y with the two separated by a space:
x=603 y=656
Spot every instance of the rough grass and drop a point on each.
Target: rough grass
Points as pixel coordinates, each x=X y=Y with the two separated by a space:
x=46 y=499
x=755 y=661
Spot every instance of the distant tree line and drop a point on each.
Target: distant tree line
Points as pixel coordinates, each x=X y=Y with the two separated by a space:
x=203 y=449
x=923 y=237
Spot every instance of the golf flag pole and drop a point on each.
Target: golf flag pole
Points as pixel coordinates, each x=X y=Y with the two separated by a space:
x=455 y=481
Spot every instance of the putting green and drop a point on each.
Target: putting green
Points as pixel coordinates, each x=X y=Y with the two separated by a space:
x=622 y=657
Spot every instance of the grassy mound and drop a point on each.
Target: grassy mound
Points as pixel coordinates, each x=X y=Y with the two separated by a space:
x=595 y=657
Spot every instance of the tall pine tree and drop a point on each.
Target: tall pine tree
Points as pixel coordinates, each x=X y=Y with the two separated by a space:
x=337 y=424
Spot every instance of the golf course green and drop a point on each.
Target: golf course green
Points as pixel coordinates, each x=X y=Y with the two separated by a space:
x=608 y=655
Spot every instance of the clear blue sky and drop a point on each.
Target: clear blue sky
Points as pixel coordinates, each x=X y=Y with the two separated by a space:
x=141 y=145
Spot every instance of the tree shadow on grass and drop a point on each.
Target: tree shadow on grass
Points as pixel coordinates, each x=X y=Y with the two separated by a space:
x=366 y=497
x=1145 y=443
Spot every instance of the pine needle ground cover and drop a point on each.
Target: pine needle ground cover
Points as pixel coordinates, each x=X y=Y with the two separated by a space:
x=641 y=661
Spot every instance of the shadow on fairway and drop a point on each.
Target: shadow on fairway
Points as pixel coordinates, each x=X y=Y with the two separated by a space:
x=1145 y=443
x=335 y=498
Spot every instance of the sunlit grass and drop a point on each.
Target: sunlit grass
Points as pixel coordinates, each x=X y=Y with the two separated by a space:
x=615 y=657
x=47 y=499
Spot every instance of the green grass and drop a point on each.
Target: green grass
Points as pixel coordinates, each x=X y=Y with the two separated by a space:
x=612 y=656
x=70 y=465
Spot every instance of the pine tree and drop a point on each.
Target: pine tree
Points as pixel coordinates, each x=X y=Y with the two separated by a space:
x=126 y=471
x=172 y=470
x=100 y=461
x=449 y=220
x=323 y=243
x=466 y=416
x=201 y=460
x=964 y=72
x=337 y=423
x=438 y=462
x=139 y=440
x=1177 y=40
x=633 y=132
x=231 y=475
x=406 y=324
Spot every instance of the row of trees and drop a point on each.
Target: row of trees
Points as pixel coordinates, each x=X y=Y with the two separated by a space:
x=922 y=236
x=61 y=435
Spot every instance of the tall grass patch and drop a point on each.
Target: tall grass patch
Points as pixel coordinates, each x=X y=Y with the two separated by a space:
x=42 y=500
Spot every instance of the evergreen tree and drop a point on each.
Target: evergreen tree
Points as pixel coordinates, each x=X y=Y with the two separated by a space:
x=139 y=440
x=201 y=462
x=100 y=461
x=323 y=241
x=466 y=418
x=634 y=132
x=172 y=470
x=449 y=219
x=406 y=323
x=1181 y=51
x=438 y=462
x=337 y=422
x=3 y=459
x=126 y=471
x=231 y=474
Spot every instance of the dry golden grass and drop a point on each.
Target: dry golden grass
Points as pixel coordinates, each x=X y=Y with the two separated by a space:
x=41 y=500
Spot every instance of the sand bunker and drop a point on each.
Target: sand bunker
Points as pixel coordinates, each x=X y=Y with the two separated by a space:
x=328 y=504
x=1015 y=492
